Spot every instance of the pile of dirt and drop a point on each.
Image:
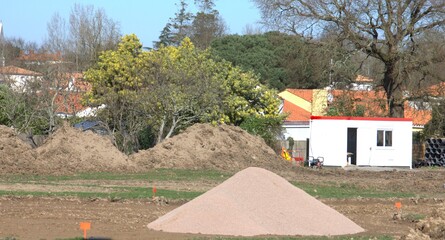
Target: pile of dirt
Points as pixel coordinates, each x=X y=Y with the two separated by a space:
x=15 y=155
x=256 y=202
x=70 y=150
x=432 y=227
x=201 y=146
x=204 y=146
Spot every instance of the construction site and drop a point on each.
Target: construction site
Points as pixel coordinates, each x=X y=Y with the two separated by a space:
x=233 y=185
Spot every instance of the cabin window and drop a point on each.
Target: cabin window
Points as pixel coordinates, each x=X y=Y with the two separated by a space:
x=384 y=138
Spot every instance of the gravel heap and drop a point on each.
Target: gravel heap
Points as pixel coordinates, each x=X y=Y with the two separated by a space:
x=256 y=202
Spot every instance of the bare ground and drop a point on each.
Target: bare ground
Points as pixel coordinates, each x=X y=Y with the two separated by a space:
x=223 y=148
x=50 y=218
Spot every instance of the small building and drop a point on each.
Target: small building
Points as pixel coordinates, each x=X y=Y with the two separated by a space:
x=361 y=141
x=18 y=78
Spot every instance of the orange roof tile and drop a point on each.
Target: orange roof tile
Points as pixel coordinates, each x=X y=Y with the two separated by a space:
x=374 y=102
x=39 y=57
x=295 y=112
x=13 y=70
x=69 y=103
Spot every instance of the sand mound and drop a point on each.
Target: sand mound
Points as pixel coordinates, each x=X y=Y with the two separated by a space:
x=256 y=202
x=203 y=146
x=15 y=155
x=70 y=150
x=429 y=228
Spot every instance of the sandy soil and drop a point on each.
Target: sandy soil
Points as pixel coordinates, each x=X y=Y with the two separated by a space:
x=50 y=218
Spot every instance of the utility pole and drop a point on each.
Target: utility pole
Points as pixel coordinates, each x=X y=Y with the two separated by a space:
x=330 y=71
x=2 y=44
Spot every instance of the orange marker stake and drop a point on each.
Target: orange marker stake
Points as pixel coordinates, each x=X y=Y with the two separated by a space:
x=398 y=205
x=154 y=192
x=85 y=226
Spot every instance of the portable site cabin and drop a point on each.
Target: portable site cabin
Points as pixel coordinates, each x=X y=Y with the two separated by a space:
x=361 y=141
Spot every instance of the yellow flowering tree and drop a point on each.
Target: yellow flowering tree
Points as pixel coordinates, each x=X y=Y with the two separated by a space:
x=118 y=82
x=172 y=88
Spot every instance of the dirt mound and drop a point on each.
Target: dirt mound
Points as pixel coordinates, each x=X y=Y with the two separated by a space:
x=256 y=202
x=203 y=146
x=15 y=155
x=429 y=228
x=70 y=150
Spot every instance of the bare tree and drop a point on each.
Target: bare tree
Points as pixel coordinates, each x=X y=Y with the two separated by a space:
x=87 y=33
x=387 y=30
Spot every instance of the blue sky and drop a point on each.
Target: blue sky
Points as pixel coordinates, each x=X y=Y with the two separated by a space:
x=146 y=18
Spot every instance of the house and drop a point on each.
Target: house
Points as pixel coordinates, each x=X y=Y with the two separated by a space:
x=70 y=88
x=361 y=141
x=301 y=104
x=65 y=91
x=18 y=78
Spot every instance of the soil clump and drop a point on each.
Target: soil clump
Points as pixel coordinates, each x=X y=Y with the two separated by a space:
x=431 y=228
x=70 y=150
x=16 y=156
x=203 y=146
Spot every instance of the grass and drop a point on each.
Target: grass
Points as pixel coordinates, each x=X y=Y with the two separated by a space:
x=327 y=190
x=413 y=217
x=347 y=191
x=117 y=193
x=158 y=175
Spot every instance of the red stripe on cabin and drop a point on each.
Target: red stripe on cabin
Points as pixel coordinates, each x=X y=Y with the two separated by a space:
x=360 y=118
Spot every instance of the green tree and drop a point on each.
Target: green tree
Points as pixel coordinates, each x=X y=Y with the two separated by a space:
x=188 y=86
x=118 y=81
x=285 y=61
x=177 y=28
x=387 y=30
x=183 y=88
x=22 y=110
x=436 y=126
x=171 y=88
x=267 y=128
x=207 y=24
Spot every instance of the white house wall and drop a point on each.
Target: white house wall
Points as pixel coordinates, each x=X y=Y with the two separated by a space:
x=328 y=139
x=297 y=132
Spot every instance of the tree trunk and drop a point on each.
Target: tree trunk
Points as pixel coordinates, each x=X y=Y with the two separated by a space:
x=394 y=94
x=161 y=130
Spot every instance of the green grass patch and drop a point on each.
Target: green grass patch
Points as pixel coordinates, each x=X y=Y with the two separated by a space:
x=347 y=191
x=117 y=193
x=154 y=175
x=413 y=217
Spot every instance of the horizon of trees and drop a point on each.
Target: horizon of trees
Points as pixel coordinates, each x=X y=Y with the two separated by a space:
x=288 y=58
